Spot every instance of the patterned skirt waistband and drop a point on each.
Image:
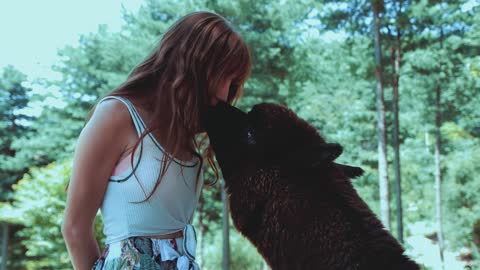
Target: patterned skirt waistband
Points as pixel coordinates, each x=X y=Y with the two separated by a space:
x=151 y=253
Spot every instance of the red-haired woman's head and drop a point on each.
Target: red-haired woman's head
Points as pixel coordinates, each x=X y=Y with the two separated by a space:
x=200 y=59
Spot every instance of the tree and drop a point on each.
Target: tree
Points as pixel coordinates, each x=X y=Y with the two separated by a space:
x=226 y=231
x=38 y=204
x=377 y=7
x=327 y=82
x=14 y=97
x=396 y=54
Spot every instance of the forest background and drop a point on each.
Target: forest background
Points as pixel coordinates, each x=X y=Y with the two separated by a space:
x=396 y=82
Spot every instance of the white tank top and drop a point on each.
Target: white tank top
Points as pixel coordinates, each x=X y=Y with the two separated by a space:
x=172 y=205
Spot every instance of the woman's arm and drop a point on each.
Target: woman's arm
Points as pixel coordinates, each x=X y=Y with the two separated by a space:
x=100 y=144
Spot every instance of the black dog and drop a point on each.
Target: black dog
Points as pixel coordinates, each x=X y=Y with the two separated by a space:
x=288 y=197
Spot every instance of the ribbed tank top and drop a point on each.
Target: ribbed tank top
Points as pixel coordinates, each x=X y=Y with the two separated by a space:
x=172 y=205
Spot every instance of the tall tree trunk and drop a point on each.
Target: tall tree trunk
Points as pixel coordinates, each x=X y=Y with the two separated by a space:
x=382 y=138
x=396 y=60
x=4 y=245
x=438 y=175
x=226 y=231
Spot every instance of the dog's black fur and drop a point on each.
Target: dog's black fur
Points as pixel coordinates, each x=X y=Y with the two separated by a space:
x=290 y=199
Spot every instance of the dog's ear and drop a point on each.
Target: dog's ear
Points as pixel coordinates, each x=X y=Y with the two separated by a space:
x=349 y=171
x=315 y=155
x=325 y=152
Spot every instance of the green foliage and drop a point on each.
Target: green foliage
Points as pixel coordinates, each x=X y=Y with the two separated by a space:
x=38 y=205
x=243 y=253
x=462 y=178
x=14 y=97
x=329 y=83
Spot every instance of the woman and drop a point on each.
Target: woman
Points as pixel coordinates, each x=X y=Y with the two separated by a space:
x=137 y=158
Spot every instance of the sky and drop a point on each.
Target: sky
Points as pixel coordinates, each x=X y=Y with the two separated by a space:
x=31 y=31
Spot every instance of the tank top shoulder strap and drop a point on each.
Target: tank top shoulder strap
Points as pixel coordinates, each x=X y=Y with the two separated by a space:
x=137 y=120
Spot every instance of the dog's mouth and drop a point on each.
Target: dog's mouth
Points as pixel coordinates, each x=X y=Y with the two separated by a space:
x=226 y=123
x=231 y=135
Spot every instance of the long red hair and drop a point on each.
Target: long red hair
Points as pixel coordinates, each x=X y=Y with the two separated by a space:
x=192 y=60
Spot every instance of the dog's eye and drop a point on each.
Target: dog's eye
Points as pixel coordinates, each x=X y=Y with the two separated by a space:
x=251 y=136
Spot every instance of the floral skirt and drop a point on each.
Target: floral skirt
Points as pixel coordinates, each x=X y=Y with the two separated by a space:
x=143 y=253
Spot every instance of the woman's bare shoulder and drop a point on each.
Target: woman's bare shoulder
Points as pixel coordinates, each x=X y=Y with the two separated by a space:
x=111 y=113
